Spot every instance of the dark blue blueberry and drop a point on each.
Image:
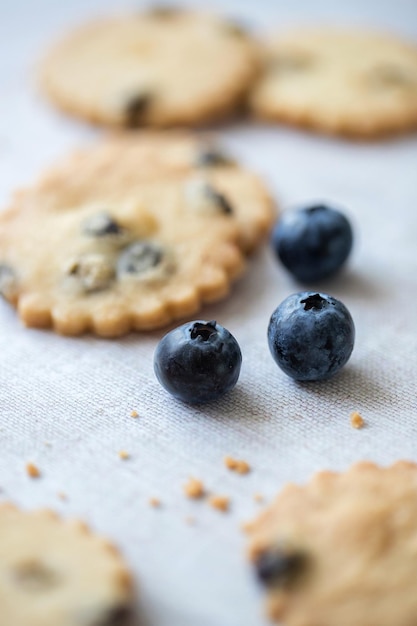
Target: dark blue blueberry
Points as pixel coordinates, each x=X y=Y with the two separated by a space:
x=313 y=243
x=278 y=566
x=198 y=361
x=311 y=336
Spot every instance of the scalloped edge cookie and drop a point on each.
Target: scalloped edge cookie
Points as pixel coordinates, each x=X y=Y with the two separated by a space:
x=338 y=81
x=341 y=549
x=152 y=68
x=171 y=245
x=176 y=153
x=80 y=577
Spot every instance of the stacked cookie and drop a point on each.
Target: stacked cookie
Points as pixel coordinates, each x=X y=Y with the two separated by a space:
x=162 y=67
x=170 y=67
x=340 y=82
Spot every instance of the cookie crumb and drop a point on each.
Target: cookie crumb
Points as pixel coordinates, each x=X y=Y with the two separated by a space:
x=190 y=520
x=62 y=496
x=258 y=497
x=32 y=470
x=155 y=503
x=134 y=413
x=221 y=503
x=124 y=455
x=356 y=420
x=48 y=444
x=236 y=465
x=194 y=489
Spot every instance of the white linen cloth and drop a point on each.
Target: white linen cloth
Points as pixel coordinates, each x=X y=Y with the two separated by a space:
x=77 y=394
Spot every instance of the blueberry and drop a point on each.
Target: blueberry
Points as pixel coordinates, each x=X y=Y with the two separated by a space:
x=311 y=336
x=312 y=243
x=198 y=361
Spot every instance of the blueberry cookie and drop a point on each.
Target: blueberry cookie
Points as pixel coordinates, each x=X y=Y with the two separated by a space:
x=198 y=158
x=54 y=572
x=97 y=247
x=335 y=81
x=342 y=549
x=161 y=67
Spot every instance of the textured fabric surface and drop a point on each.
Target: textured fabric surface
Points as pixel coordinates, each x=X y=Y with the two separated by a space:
x=65 y=404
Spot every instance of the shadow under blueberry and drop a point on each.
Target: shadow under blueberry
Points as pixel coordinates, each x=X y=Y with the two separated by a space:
x=239 y=405
x=353 y=384
x=353 y=285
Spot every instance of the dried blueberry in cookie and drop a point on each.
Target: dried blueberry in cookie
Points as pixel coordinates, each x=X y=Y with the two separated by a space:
x=235 y=27
x=219 y=200
x=135 y=108
x=33 y=575
x=209 y=156
x=311 y=336
x=313 y=243
x=198 y=361
x=202 y=196
x=279 y=566
x=392 y=76
x=163 y=11
x=100 y=225
x=119 y=616
x=94 y=272
x=8 y=281
x=139 y=257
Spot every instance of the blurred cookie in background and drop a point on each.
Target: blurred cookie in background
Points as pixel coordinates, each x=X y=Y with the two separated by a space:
x=58 y=572
x=160 y=67
x=340 y=82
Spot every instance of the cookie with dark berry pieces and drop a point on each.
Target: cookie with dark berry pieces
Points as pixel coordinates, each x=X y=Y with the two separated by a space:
x=161 y=67
x=342 y=82
x=209 y=171
x=55 y=572
x=98 y=245
x=341 y=549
